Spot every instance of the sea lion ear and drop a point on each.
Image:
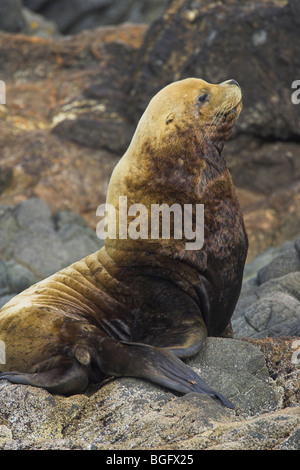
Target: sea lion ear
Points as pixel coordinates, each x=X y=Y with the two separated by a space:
x=170 y=118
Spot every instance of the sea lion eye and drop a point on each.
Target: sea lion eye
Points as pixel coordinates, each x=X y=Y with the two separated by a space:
x=202 y=98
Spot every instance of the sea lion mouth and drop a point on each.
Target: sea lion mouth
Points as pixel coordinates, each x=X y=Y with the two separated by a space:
x=232 y=111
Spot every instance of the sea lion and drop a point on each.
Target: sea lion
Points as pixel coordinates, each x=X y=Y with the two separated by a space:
x=138 y=306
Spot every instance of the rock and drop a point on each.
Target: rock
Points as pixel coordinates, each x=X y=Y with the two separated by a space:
x=38 y=25
x=78 y=241
x=282 y=360
x=287 y=262
x=234 y=374
x=36 y=243
x=129 y=413
x=11 y=17
x=87 y=14
x=19 y=277
x=16 y=19
x=3 y=278
x=269 y=304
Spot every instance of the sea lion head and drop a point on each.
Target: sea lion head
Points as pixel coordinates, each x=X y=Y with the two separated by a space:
x=193 y=109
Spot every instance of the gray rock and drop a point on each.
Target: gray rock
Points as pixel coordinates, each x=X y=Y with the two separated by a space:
x=38 y=25
x=3 y=278
x=287 y=262
x=270 y=309
x=19 y=278
x=11 y=18
x=79 y=241
x=33 y=213
x=41 y=250
x=268 y=257
x=269 y=303
x=65 y=218
x=242 y=376
x=292 y=442
x=8 y=229
x=40 y=243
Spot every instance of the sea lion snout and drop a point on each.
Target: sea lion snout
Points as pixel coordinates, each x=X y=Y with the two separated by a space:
x=232 y=82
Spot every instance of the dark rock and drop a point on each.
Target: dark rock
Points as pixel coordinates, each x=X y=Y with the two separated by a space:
x=6 y=177
x=87 y=14
x=11 y=17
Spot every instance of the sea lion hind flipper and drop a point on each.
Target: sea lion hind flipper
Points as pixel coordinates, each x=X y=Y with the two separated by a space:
x=68 y=378
x=157 y=365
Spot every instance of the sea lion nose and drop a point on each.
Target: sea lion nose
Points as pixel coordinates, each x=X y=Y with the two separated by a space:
x=233 y=82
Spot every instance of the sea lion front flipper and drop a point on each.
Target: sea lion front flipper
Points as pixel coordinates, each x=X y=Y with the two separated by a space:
x=67 y=378
x=158 y=365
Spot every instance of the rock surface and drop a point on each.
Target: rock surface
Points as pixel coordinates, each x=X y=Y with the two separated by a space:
x=132 y=414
